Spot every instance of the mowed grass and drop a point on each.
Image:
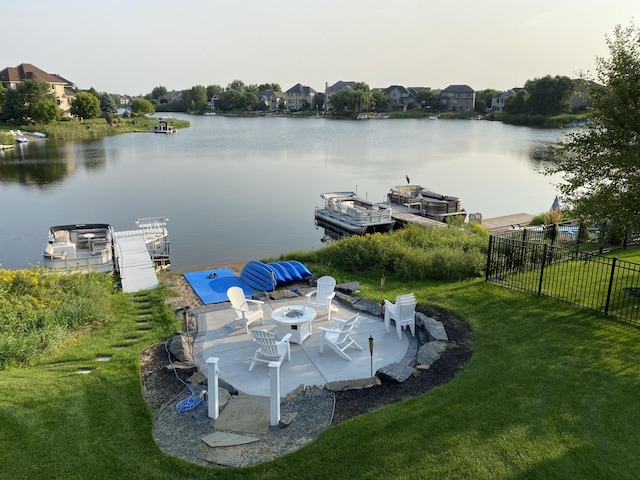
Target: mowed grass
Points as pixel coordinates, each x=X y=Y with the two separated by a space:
x=550 y=392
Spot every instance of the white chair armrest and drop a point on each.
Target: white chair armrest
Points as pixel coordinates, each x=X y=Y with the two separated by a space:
x=330 y=297
x=329 y=329
x=257 y=302
x=311 y=294
x=286 y=338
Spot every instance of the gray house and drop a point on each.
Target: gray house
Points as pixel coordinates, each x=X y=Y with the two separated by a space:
x=299 y=97
x=458 y=98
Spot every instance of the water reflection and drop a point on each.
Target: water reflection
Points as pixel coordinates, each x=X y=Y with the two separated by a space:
x=45 y=163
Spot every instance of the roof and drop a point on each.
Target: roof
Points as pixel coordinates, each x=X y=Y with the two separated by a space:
x=459 y=89
x=400 y=88
x=26 y=71
x=301 y=89
x=340 y=85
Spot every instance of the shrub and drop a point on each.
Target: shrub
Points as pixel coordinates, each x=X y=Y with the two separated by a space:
x=414 y=253
x=38 y=309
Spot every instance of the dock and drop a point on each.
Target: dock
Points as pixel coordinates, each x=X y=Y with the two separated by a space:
x=403 y=215
x=134 y=262
x=140 y=252
x=507 y=222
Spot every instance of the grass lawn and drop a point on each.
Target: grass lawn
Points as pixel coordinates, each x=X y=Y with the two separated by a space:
x=551 y=392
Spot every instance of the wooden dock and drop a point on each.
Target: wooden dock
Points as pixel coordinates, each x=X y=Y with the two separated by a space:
x=403 y=216
x=507 y=222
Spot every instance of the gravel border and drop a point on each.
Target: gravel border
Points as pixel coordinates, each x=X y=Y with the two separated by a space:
x=302 y=420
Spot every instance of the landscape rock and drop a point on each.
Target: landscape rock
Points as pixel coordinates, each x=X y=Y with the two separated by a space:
x=180 y=347
x=395 y=372
x=349 y=288
x=357 y=384
x=360 y=304
x=183 y=366
x=430 y=352
x=434 y=328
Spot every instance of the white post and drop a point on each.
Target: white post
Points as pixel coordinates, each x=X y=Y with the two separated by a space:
x=274 y=393
x=212 y=387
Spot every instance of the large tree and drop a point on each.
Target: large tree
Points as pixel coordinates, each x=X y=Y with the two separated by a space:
x=484 y=98
x=352 y=100
x=549 y=95
x=85 y=105
x=23 y=104
x=195 y=99
x=142 y=106
x=600 y=164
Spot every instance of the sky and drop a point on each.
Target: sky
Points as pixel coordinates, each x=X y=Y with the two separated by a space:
x=130 y=47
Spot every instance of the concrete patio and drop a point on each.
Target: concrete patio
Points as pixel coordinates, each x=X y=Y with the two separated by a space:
x=308 y=366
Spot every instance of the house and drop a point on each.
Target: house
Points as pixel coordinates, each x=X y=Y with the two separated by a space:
x=299 y=97
x=336 y=87
x=270 y=100
x=497 y=102
x=457 y=98
x=580 y=99
x=399 y=98
x=170 y=97
x=62 y=89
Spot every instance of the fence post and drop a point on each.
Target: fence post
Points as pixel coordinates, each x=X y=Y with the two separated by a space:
x=544 y=259
x=613 y=270
x=212 y=387
x=490 y=251
x=274 y=393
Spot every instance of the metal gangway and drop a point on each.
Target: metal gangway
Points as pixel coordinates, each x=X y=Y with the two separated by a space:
x=140 y=252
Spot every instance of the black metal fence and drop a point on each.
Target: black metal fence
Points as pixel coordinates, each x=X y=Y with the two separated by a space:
x=552 y=265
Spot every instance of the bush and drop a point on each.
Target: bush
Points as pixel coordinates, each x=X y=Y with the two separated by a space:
x=414 y=253
x=38 y=309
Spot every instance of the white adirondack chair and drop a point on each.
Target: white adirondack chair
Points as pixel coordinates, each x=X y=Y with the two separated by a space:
x=403 y=312
x=247 y=310
x=338 y=338
x=270 y=349
x=323 y=295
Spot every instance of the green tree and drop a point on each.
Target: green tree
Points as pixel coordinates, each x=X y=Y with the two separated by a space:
x=3 y=92
x=549 y=95
x=379 y=101
x=214 y=90
x=21 y=101
x=517 y=103
x=250 y=100
x=269 y=86
x=107 y=104
x=195 y=99
x=426 y=98
x=236 y=85
x=483 y=99
x=142 y=106
x=45 y=112
x=94 y=92
x=157 y=92
x=599 y=164
x=234 y=99
x=352 y=100
x=85 y=105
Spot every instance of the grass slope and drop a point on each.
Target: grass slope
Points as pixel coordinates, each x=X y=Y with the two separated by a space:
x=551 y=392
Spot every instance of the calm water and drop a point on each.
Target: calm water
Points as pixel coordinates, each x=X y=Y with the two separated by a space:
x=238 y=189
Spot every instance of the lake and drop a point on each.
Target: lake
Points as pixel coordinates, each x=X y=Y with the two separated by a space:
x=238 y=188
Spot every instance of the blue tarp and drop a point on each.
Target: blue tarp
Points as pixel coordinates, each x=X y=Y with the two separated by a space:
x=212 y=285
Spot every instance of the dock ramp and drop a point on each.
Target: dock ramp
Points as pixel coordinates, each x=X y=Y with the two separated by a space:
x=134 y=263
